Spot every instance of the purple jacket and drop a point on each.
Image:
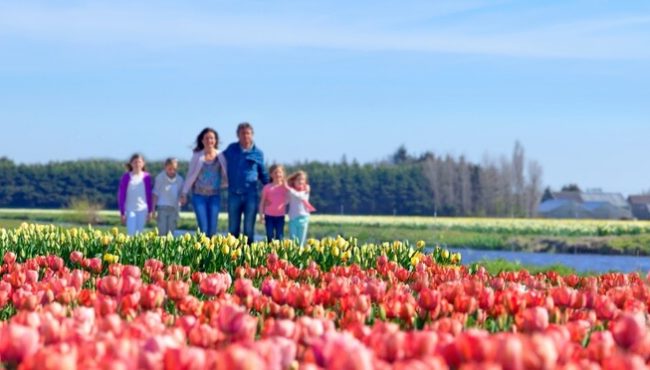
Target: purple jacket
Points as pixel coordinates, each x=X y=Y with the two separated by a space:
x=124 y=185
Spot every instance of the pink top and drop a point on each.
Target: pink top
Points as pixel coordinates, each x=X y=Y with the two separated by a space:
x=276 y=199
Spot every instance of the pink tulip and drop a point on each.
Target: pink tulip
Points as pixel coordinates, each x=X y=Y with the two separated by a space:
x=17 y=342
x=110 y=285
x=133 y=271
x=534 y=319
x=629 y=329
x=152 y=296
x=9 y=258
x=236 y=323
x=215 y=284
x=76 y=257
x=187 y=358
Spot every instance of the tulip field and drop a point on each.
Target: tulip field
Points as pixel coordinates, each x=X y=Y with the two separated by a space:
x=79 y=298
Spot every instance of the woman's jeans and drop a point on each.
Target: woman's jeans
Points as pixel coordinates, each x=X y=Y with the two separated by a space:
x=206 y=208
x=298 y=229
x=245 y=204
x=136 y=221
x=274 y=227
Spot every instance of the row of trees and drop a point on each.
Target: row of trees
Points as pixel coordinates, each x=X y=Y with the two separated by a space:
x=504 y=187
x=403 y=184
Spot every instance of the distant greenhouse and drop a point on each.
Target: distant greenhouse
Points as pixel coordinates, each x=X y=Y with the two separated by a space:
x=591 y=205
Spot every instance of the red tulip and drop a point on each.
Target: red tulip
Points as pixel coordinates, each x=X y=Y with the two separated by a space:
x=177 y=289
x=188 y=358
x=203 y=335
x=189 y=305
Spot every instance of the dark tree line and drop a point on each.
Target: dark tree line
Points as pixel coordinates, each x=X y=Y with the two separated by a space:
x=403 y=184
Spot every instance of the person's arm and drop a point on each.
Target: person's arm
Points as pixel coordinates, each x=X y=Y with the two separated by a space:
x=224 y=170
x=148 y=194
x=192 y=173
x=181 y=183
x=263 y=172
x=302 y=195
x=262 y=205
x=121 y=196
x=157 y=184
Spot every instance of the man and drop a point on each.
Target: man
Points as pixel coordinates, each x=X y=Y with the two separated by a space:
x=245 y=165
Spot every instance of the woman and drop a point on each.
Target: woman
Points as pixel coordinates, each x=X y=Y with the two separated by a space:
x=205 y=178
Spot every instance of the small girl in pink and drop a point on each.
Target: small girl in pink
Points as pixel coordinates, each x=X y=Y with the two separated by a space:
x=273 y=204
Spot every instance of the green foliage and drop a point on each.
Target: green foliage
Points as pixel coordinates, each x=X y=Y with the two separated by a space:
x=494 y=267
x=85 y=211
x=337 y=188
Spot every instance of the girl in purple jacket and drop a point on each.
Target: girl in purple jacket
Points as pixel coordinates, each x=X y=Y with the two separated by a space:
x=134 y=196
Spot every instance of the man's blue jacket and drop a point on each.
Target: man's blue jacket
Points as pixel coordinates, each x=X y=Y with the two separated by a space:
x=245 y=169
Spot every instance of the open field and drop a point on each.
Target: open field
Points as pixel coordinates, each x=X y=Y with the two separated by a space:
x=580 y=236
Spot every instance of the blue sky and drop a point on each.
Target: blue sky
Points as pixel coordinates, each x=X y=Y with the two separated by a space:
x=320 y=79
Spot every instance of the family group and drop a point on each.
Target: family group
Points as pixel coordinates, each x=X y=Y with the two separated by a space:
x=240 y=169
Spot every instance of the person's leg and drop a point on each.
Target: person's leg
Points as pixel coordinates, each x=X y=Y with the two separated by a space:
x=250 y=212
x=268 y=225
x=279 y=228
x=170 y=219
x=234 y=214
x=214 y=202
x=140 y=221
x=304 y=224
x=172 y=222
x=161 y=222
x=293 y=229
x=131 y=225
x=199 y=203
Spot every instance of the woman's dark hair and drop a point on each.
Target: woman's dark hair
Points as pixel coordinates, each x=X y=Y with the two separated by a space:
x=199 y=139
x=135 y=156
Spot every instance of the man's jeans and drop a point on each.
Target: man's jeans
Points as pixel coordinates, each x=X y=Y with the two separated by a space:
x=206 y=208
x=245 y=204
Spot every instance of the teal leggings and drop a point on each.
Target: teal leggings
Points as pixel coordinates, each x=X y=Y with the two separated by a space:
x=298 y=228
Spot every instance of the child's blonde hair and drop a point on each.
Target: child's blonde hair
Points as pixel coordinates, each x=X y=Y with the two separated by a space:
x=291 y=180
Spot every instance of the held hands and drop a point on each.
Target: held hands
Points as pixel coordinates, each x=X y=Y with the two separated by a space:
x=123 y=219
x=261 y=218
x=183 y=199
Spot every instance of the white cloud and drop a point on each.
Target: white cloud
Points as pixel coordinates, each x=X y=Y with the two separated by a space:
x=622 y=37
